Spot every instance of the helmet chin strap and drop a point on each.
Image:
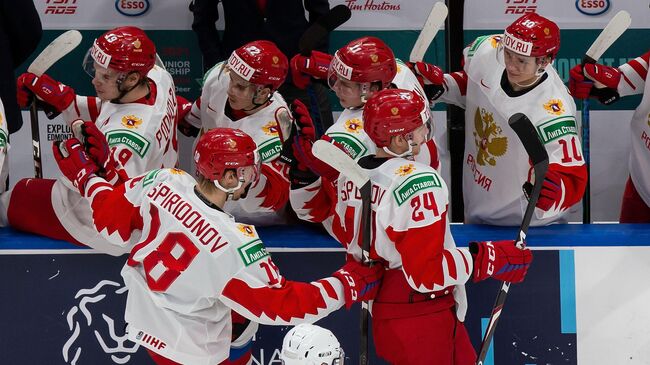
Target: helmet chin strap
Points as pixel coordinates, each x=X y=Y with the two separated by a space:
x=230 y=192
x=256 y=105
x=408 y=154
x=123 y=92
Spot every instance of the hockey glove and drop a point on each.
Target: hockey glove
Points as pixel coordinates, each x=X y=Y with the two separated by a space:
x=360 y=282
x=431 y=78
x=501 y=260
x=605 y=79
x=185 y=127
x=304 y=140
x=551 y=191
x=52 y=92
x=74 y=162
x=303 y=68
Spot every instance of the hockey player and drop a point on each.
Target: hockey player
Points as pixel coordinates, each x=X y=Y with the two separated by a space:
x=506 y=74
x=418 y=314
x=241 y=93
x=4 y=147
x=191 y=263
x=309 y=344
x=356 y=72
x=609 y=84
x=135 y=107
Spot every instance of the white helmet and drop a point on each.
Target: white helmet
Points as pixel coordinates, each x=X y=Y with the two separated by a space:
x=308 y=344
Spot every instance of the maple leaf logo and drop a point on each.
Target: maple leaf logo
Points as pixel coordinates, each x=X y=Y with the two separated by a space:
x=488 y=138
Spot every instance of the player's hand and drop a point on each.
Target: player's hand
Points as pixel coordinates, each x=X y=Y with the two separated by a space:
x=501 y=260
x=303 y=142
x=593 y=79
x=431 y=78
x=551 y=191
x=74 y=162
x=95 y=143
x=303 y=67
x=360 y=282
x=44 y=87
x=185 y=127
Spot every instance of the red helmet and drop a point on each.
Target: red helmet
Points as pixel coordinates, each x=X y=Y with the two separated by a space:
x=532 y=35
x=221 y=149
x=367 y=59
x=261 y=63
x=393 y=112
x=125 y=49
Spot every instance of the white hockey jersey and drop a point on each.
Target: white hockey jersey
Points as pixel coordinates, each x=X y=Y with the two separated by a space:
x=496 y=164
x=191 y=263
x=348 y=128
x=348 y=131
x=635 y=81
x=268 y=127
x=410 y=232
x=142 y=137
x=4 y=148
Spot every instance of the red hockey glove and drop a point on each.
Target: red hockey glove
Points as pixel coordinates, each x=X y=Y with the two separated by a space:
x=431 y=78
x=551 y=191
x=501 y=260
x=605 y=79
x=315 y=65
x=185 y=127
x=303 y=142
x=360 y=282
x=96 y=144
x=74 y=162
x=46 y=88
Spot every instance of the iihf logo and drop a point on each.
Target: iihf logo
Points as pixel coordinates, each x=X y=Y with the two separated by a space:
x=592 y=7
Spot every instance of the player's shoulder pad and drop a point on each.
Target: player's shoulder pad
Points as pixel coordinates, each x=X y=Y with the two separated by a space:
x=250 y=247
x=133 y=131
x=160 y=175
x=214 y=73
x=482 y=43
x=411 y=178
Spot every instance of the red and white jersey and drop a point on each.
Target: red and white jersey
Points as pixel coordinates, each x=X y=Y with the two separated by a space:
x=348 y=128
x=4 y=147
x=634 y=80
x=190 y=264
x=409 y=203
x=496 y=164
x=141 y=136
x=268 y=127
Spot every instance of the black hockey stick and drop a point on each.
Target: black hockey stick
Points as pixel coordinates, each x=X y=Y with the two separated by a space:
x=526 y=132
x=345 y=165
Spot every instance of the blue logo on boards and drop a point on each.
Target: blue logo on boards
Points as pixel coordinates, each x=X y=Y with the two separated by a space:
x=132 y=7
x=592 y=7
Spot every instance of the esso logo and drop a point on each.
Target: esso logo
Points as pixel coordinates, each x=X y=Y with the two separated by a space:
x=132 y=7
x=592 y=7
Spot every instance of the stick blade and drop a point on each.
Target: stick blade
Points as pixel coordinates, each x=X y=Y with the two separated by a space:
x=318 y=31
x=526 y=132
x=339 y=160
x=616 y=26
x=434 y=22
x=54 y=51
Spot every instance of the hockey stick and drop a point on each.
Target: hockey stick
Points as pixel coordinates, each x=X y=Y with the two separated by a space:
x=616 y=26
x=345 y=165
x=434 y=21
x=539 y=157
x=54 y=51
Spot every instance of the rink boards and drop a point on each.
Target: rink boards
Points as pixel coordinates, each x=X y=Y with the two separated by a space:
x=584 y=300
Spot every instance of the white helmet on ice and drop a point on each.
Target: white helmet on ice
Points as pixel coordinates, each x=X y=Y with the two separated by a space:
x=308 y=344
